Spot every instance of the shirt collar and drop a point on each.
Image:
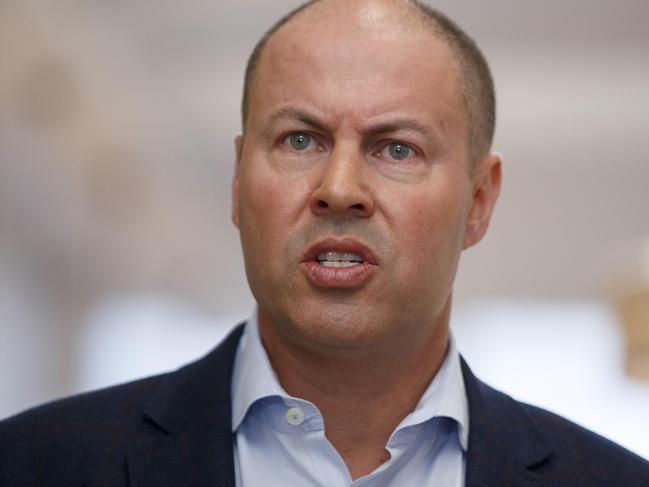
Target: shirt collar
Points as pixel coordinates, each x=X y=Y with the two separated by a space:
x=254 y=379
x=444 y=397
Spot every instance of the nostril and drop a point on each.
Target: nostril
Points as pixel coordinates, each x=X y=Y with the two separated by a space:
x=358 y=206
x=322 y=204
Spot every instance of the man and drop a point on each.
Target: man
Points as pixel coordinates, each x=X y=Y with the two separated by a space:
x=363 y=171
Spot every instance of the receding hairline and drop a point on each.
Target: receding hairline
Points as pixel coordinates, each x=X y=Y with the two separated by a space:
x=473 y=77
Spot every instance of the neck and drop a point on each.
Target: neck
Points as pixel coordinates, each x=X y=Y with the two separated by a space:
x=362 y=395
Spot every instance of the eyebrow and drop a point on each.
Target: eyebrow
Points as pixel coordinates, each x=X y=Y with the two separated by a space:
x=397 y=125
x=295 y=114
x=372 y=130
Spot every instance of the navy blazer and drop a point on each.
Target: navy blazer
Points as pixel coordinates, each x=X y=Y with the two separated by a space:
x=175 y=430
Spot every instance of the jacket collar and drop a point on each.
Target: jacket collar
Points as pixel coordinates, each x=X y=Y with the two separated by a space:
x=191 y=411
x=504 y=443
x=192 y=417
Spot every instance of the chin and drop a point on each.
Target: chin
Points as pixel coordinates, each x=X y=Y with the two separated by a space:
x=341 y=326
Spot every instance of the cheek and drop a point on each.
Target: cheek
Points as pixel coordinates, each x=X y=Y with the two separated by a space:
x=270 y=205
x=432 y=233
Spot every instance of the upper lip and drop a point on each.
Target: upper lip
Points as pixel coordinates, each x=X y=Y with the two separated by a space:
x=343 y=245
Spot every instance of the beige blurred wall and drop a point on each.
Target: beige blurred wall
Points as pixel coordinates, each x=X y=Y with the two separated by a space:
x=116 y=129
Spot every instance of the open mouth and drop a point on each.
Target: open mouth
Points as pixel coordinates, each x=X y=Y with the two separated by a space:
x=339 y=263
x=338 y=259
x=339 y=252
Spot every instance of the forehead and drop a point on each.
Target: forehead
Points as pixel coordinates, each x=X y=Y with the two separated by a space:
x=363 y=62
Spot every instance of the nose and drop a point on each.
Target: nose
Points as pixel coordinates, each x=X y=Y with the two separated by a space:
x=342 y=188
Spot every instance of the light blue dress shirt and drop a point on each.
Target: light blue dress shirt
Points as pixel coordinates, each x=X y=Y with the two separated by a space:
x=279 y=440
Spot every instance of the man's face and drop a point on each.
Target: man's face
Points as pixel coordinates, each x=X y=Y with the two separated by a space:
x=352 y=190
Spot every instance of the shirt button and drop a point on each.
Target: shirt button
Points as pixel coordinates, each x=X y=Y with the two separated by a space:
x=295 y=416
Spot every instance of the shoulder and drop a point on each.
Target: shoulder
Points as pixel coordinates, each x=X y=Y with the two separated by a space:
x=108 y=405
x=115 y=409
x=576 y=445
x=579 y=456
x=541 y=445
x=65 y=438
x=86 y=439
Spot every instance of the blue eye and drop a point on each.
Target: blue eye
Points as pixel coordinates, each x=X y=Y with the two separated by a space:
x=398 y=151
x=300 y=141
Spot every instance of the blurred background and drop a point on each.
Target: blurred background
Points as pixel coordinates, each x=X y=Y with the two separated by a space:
x=118 y=258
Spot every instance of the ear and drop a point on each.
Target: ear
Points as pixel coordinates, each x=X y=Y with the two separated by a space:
x=238 y=147
x=486 y=183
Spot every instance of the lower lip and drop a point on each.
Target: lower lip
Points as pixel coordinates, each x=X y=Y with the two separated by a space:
x=337 y=277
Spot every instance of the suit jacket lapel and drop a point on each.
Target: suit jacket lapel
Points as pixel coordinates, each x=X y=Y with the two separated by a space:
x=187 y=430
x=187 y=426
x=504 y=442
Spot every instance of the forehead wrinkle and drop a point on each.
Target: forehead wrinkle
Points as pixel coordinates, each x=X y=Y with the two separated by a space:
x=348 y=71
x=384 y=21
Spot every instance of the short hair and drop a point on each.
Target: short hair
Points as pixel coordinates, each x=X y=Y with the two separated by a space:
x=475 y=82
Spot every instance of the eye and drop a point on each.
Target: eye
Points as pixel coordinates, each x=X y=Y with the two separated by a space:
x=398 y=151
x=300 y=141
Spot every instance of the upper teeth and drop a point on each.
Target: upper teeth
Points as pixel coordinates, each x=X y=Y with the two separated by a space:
x=339 y=259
